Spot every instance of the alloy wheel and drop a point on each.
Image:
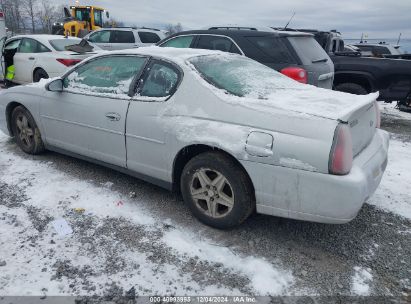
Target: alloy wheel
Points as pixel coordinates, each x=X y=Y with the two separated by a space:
x=25 y=131
x=212 y=193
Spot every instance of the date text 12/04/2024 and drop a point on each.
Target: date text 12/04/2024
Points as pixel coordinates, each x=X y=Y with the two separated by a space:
x=202 y=299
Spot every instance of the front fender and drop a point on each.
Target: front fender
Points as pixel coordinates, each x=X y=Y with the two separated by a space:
x=27 y=96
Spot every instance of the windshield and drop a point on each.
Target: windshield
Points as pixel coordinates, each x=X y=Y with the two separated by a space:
x=240 y=76
x=83 y=14
x=60 y=44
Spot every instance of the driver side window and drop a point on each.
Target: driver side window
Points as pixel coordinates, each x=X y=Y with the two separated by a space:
x=108 y=76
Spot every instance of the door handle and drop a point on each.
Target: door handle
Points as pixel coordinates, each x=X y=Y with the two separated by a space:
x=31 y=58
x=113 y=116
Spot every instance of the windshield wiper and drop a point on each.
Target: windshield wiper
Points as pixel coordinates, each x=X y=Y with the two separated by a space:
x=320 y=60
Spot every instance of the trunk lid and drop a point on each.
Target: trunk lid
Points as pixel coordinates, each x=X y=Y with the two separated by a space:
x=362 y=123
x=358 y=111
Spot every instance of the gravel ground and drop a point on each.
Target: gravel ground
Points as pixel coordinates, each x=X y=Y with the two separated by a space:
x=374 y=248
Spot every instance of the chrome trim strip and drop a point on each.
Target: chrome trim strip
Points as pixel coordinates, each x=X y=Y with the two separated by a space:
x=145 y=139
x=82 y=125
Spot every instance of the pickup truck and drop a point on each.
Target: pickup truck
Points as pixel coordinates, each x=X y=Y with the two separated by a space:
x=362 y=75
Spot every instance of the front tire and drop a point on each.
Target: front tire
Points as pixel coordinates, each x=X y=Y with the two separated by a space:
x=352 y=88
x=217 y=191
x=26 y=132
x=40 y=74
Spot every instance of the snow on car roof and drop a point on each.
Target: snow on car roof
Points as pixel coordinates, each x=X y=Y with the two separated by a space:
x=178 y=55
x=44 y=37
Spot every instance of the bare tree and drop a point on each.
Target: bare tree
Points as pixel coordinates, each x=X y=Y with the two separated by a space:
x=113 y=23
x=12 y=14
x=174 y=28
x=47 y=14
x=30 y=7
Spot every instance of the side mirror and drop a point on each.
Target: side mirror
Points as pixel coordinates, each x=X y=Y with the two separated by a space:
x=107 y=14
x=55 y=86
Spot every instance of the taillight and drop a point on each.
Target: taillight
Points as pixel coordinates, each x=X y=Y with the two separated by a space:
x=341 y=151
x=68 y=62
x=295 y=73
x=378 y=115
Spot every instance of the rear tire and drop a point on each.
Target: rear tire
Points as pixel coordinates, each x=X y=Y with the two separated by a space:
x=405 y=105
x=352 y=88
x=217 y=191
x=26 y=132
x=40 y=74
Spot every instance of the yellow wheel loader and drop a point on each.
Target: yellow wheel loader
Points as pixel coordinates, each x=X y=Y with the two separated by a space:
x=80 y=21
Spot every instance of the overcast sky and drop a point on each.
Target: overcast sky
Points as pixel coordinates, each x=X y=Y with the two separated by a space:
x=377 y=18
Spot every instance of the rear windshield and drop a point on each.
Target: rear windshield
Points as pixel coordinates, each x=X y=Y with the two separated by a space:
x=60 y=44
x=308 y=50
x=273 y=47
x=240 y=76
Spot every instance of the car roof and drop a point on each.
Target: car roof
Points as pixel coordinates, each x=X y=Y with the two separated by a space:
x=43 y=37
x=177 y=55
x=245 y=32
x=266 y=29
x=130 y=28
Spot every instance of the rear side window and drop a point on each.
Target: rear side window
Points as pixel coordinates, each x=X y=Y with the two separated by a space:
x=60 y=44
x=42 y=48
x=219 y=43
x=100 y=37
x=179 y=42
x=309 y=50
x=161 y=80
x=272 y=47
x=148 y=37
x=106 y=75
x=122 y=37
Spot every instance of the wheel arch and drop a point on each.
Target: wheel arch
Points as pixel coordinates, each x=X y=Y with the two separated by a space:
x=365 y=80
x=35 y=70
x=188 y=152
x=9 y=110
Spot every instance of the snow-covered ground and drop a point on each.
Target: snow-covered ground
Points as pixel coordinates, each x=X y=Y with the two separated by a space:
x=394 y=193
x=390 y=110
x=38 y=258
x=360 y=281
x=116 y=242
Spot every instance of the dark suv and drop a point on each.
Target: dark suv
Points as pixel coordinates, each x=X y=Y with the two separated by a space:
x=294 y=54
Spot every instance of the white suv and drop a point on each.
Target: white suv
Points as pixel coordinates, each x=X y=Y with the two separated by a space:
x=125 y=38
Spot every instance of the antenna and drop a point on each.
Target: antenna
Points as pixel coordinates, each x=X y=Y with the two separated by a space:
x=399 y=39
x=289 y=21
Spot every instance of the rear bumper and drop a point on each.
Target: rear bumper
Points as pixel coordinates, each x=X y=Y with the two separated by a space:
x=319 y=197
